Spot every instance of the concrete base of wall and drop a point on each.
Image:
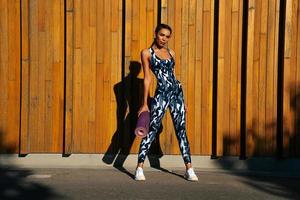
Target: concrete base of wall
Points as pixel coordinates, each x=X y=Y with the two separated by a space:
x=167 y=162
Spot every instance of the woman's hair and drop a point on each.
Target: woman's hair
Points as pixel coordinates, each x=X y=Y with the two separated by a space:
x=162 y=26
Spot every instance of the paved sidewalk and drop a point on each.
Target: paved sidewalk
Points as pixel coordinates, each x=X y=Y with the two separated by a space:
x=112 y=183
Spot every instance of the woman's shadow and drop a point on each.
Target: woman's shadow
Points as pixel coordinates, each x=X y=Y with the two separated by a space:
x=129 y=97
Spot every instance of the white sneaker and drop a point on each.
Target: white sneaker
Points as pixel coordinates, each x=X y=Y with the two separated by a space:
x=190 y=175
x=139 y=174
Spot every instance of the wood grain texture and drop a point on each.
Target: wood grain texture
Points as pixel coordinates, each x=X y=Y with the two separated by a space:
x=141 y=18
x=10 y=75
x=229 y=78
x=192 y=41
x=99 y=92
x=95 y=66
x=262 y=68
x=42 y=76
x=291 y=80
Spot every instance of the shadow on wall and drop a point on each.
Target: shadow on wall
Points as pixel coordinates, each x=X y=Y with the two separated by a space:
x=294 y=142
x=129 y=97
x=281 y=177
x=14 y=182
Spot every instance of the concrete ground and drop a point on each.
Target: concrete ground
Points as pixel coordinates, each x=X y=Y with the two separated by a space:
x=168 y=183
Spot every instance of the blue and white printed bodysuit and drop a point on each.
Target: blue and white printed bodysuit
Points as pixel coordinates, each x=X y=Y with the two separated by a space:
x=168 y=94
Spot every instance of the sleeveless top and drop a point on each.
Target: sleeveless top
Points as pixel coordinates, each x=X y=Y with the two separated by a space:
x=163 y=70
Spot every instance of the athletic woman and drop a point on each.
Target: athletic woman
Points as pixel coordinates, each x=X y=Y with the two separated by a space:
x=168 y=94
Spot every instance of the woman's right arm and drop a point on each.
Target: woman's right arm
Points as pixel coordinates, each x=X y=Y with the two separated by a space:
x=145 y=57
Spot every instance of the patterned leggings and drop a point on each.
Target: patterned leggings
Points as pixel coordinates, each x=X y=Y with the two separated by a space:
x=162 y=100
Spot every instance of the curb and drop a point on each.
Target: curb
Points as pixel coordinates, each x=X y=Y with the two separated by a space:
x=167 y=161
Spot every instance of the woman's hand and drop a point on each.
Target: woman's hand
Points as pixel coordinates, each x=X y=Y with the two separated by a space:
x=143 y=108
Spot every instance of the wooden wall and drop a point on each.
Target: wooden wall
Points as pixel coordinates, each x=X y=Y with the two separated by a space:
x=94 y=68
x=192 y=41
x=229 y=77
x=140 y=21
x=262 y=77
x=42 y=76
x=9 y=75
x=71 y=77
x=291 y=80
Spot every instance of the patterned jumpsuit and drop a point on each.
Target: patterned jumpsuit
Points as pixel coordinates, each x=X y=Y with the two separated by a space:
x=168 y=94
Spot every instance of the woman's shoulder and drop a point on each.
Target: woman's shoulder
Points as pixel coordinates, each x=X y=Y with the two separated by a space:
x=146 y=53
x=171 y=52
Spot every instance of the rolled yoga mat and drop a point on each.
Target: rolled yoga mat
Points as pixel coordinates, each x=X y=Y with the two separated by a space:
x=142 y=125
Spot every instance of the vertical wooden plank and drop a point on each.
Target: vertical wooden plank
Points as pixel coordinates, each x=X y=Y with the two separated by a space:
x=100 y=118
x=48 y=72
x=60 y=62
x=3 y=64
x=45 y=76
x=238 y=130
x=177 y=36
x=107 y=78
x=93 y=13
x=234 y=129
x=77 y=80
x=41 y=64
x=291 y=84
x=143 y=20
x=198 y=78
x=276 y=59
x=33 y=76
x=114 y=73
x=210 y=81
x=287 y=118
x=298 y=83
x=206 y=99
x=13 y=106
x=191 y=73
x=221 y=91
x=294 y=82
x=9 y=75
x=253 y=67
x=256 y=67
x=85 y=77
x=68 y=140
x=135 y=54
x=135 y=21
x=249 y=90
x=92 y=89
x=227 y=77
x=100 y=29
x=271 y=97
x=4 y=70
x=164 y=10
x=262 y=79
x=24 y=137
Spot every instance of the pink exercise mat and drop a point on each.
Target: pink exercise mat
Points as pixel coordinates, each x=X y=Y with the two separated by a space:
x=142 y=126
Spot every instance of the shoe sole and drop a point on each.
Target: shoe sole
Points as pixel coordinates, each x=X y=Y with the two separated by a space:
x=140 y=179
x=194 y=180
x=190 y=179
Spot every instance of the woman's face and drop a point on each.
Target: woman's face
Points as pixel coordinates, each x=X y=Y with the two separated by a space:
x=162 y=37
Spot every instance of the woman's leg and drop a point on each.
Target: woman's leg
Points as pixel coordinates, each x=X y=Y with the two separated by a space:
x=178 y=117
x=157 y=111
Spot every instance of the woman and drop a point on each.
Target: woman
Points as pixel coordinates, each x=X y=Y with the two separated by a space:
x=161 y=60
